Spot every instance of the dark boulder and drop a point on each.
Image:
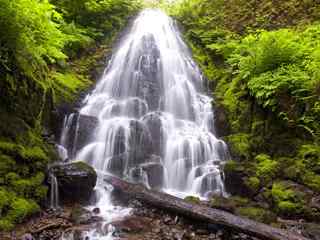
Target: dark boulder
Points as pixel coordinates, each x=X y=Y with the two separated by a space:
x=117 y=164
x=155 y=173
x=75 y=139
x=235 y=179
x=140 y=143
x=154 y=123
x=75 y=180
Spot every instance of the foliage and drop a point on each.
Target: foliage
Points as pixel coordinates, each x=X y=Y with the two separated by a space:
x=266 y=168
x=21 y=22
x=239 y=144
x=263 y=68
x=286 y=201
x=42 y=44
x=14 y=209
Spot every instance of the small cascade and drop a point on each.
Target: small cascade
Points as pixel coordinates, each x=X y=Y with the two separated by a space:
x=54 y=192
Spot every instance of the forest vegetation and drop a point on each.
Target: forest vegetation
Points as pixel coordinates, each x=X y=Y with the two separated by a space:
x=262 y=61
x=48 y=50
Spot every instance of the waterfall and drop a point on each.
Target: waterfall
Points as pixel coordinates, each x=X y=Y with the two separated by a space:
x=54 y=192
x=148 y=118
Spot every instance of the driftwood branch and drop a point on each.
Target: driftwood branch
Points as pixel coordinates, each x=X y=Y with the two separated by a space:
x=199 y=212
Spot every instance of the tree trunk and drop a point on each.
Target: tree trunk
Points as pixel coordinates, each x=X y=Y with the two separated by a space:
x=199 y=212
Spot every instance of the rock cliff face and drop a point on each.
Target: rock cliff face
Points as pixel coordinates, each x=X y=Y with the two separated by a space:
x=76 y=181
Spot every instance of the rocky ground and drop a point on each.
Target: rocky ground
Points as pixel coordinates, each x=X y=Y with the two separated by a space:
x=144 y=223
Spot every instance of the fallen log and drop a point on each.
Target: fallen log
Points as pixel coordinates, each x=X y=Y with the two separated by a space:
x=200 y=213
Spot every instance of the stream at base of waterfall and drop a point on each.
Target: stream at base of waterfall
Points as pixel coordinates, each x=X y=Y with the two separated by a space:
x=148 y=120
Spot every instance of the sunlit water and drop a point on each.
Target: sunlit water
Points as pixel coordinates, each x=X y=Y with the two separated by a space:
x=148 y=119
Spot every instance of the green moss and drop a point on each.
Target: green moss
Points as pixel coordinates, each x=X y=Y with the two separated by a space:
x=311 y=180
x=192 y=199
x=30 y=188
x=257 y=214
x=34 y=154
x=7 y=164
x=5 y=198
x=21 y=208
x=229 y=204
x=6 y=225
x=311 y=157
x=253 y=183
x=10 y=148
x=266 y=168
x=232 y=167
x=287 y=202
x=239 y=145
x=68 y=84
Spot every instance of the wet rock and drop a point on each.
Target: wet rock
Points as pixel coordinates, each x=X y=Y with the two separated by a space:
x=154 y=124
x=78 y=139
x=117 y=164
x=75 y=180
x=140 y=143
x=202 y=232
x=167 y=220
x=79 y=215
x=235 y=176
x=27 y=236
x=96 y=210
x=312 y=230
x=221 y=120
x=155 y=173
x=132 y=224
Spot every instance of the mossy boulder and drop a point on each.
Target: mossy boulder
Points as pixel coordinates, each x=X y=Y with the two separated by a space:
x=192 y=199
x=295 y=201
x=229 y=204
x=236 y=177
x=76 y=181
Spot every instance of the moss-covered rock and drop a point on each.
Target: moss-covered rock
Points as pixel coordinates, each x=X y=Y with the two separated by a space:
x=229 y=204
x=257 y=214
x=76 y=181
x=192 y=199
x=287 y=202
x=236 y=179
x=14 y=209
x=266 y=168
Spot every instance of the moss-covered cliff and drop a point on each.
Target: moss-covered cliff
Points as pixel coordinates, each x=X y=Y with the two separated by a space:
x=262 y=62
x=49 y=52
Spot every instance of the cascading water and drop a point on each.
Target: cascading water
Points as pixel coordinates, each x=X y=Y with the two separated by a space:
x=54 y=192
x=148 y=119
